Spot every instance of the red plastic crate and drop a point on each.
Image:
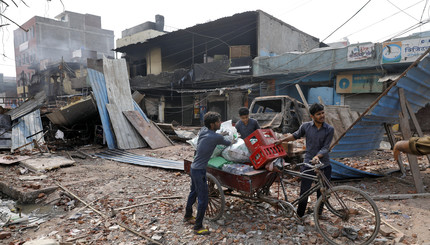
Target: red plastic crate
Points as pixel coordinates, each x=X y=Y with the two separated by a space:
x=260 y=137
x=265 y=154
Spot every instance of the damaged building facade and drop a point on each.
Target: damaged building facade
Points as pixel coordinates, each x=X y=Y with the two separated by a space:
x=8 y=95
x=206 y=67
x=353 y=75
x=52 y=51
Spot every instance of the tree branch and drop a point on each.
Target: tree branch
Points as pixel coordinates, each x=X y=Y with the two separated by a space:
x=14 y=22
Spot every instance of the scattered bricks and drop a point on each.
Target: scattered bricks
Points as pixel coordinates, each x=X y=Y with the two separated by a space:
x=5 y=235
x=41 y=195
x=35 y=186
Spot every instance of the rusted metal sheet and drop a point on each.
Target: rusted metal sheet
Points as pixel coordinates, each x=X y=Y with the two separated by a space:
x=119 y=96
x=75 y=112
x=149 y=131
x=28 y=125
x=29 y=106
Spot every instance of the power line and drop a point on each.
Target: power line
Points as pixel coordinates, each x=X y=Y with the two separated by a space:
x=347 y=20
x=425 y=5
x=402 y=10
x=383 y=19
x=326 y=37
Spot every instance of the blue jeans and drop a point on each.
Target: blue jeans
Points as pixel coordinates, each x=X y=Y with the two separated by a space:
x=199 y=190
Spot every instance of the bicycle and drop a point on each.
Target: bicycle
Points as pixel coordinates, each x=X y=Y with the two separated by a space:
x=343 y=214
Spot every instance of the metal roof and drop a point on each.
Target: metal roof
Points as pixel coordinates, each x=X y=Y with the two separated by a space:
x=342 y=171
x=127 y=157
x=98 y=84
x=27 y=107
x=367 y=134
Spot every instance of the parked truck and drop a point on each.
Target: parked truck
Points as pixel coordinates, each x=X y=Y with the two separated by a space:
x=285 y=114
x=281 y=113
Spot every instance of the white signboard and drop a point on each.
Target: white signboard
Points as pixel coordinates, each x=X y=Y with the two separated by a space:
x=360 y=52
x=404 y=51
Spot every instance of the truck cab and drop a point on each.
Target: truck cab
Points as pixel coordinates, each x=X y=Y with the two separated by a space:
x=281 y=113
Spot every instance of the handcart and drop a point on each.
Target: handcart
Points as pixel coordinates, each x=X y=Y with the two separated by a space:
x=351 y=216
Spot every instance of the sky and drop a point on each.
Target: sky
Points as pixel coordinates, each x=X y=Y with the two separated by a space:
x=377 y=21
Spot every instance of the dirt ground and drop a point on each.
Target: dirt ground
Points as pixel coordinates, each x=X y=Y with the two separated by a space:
x=108 y=185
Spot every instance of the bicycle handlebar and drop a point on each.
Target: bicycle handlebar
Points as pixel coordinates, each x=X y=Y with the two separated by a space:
x=318 y=165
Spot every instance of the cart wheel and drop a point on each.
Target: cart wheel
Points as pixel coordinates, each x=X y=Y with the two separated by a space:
x=216 y=203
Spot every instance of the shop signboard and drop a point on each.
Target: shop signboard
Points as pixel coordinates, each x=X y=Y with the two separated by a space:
x=358 y=83
x=360 y=52
x=404 y=51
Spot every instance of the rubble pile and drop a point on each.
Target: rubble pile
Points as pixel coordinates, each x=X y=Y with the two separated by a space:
x=381 y=161
x=128 y=204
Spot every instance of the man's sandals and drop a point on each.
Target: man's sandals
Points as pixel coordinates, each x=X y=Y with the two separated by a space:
x=202 y=231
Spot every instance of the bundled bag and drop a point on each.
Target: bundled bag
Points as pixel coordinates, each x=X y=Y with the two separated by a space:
x=238 y=152
x=226 y=126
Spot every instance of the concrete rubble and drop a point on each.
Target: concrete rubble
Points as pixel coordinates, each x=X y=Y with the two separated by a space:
x=128 y=204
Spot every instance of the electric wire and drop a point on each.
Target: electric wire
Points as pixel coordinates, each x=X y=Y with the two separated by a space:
x=402 y=10
x=329 y=34
x=425 y=5
x=383 y=19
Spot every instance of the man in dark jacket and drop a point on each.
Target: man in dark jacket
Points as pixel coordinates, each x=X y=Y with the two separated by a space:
x=206 y=144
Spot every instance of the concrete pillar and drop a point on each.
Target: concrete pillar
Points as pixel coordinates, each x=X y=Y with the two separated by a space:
x=161 y=107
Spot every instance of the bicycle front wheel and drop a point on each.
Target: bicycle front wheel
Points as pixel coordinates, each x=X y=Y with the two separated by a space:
x=347 y=215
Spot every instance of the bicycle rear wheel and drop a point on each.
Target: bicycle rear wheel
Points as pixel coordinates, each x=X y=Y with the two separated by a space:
x=349 y=216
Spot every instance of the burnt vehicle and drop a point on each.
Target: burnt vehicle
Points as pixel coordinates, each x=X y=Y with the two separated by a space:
x=281 y=113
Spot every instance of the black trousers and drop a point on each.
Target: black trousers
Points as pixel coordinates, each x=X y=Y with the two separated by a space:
x=306 y=184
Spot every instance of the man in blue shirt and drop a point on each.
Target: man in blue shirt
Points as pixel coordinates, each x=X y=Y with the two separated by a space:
x=206 y=144
x=246 y=125
x=318 y=139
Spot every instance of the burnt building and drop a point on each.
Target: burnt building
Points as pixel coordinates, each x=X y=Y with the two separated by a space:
x=70 y=37
x=8 y=95
x=206 y=67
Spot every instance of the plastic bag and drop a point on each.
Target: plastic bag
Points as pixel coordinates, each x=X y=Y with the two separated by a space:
x=238 y=152
x=226 y=126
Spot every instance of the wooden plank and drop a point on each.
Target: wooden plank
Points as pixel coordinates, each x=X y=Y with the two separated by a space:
x=392 y=140
x=149 y=131
x=305 y=102
x=400 y=196
x=406 y=131
x=138 y=97
x=126 y=136
x=416 y=124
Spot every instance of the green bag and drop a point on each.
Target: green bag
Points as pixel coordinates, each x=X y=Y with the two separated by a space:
x=217 y=162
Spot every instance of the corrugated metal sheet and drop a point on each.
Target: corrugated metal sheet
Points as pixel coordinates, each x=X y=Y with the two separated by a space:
x=119 y=96
x=127 y=157
x=98 y=84
x=367 y=134
x=30 y=105
x=341 y=171
x=27 y=125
